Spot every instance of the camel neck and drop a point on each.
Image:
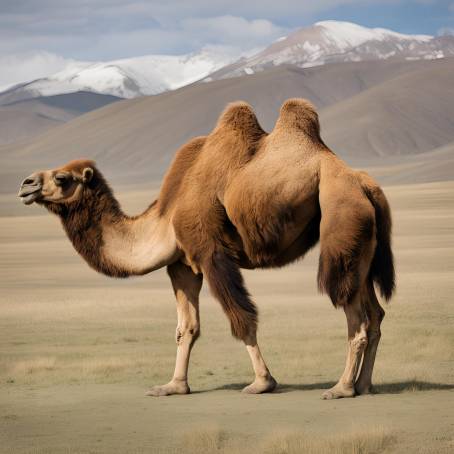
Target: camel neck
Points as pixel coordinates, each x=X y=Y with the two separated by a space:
x=112 y=242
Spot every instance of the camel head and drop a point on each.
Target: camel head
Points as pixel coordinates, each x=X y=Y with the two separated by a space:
x=63 y=185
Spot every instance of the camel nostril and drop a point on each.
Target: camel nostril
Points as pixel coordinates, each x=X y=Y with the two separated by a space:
x=32 y=180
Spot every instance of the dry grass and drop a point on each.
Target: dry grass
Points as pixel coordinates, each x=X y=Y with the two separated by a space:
x=207 y=440
x=32 y=366
x=215 y=440
x=363 y=441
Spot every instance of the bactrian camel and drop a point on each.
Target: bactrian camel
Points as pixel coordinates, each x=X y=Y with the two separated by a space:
x=241 y=198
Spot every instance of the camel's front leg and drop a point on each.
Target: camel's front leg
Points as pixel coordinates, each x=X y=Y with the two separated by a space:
x=186 y=286
x=264 y=381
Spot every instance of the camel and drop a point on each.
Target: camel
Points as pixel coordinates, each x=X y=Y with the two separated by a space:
x=241 y=198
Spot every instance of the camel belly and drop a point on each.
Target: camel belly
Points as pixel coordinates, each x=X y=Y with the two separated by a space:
x=270 y=235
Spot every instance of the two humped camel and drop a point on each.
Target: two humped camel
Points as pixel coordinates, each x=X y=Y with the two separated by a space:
x=241 y=198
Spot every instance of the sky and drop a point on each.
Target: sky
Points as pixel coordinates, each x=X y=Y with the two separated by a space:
x=40 y=36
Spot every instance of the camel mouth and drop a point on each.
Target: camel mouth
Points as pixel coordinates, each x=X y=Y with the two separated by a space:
x=29 y=194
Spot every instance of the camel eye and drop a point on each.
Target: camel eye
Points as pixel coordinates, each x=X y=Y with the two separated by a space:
x=61 y=179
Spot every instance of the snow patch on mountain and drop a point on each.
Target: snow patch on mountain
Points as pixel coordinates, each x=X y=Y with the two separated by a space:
x=333 y=42
x=130 y=77
x=346 y=34
x=324 y=42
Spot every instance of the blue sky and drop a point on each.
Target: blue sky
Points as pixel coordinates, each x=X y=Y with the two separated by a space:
x=40 y=36
x=413 y=17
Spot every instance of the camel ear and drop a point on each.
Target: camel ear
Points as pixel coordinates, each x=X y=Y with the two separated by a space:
x=87 y=174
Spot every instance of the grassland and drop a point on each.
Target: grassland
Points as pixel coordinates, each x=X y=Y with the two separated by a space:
x=77 y=351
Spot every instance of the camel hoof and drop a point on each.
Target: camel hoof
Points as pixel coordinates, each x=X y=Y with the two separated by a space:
x=168 y=389
x=338 y=392
x=260 y=386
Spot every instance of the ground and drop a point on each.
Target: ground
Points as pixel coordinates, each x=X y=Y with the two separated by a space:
x=79 y=350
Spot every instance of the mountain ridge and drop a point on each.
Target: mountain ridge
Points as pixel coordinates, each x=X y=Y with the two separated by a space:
x=322 y=43
x=125 y=78
x=336 y=42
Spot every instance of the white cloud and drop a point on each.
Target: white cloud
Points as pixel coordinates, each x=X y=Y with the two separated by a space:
x=232 y=35
x=23 y=67
x=184 y=36
x=105 y=29
x=232 y=30
x=77 y=29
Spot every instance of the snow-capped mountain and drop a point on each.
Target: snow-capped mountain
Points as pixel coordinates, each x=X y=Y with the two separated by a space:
x=126 y=78
x=334 y=41
x=323 y=42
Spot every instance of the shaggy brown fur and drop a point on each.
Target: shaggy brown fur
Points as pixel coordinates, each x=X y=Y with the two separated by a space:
x=243 y=198
x=82 y=218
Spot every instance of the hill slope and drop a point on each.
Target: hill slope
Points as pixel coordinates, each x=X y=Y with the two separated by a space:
x=139 y=137
x=26 y=119
x=408 y=114
x=435 y=165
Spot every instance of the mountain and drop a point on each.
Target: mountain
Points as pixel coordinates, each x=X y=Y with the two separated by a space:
x=409 y=114
x=401 y=107
x=334 y=42
x=26 y=119
x=126 y=78
x=322 y=43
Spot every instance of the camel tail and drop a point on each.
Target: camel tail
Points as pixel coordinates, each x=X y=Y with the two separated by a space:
x=227 y=286
x=382 y=267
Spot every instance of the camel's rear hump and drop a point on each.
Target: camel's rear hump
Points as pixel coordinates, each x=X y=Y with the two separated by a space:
x=299 y=115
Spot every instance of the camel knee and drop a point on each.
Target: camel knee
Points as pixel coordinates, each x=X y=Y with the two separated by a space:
x=187 y=333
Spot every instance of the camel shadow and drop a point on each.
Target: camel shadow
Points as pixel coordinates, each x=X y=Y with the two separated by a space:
x=281 y=387
x=411 y=385
x=383 y=388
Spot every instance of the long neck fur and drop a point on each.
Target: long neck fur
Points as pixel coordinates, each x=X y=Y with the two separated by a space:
x=110 y=241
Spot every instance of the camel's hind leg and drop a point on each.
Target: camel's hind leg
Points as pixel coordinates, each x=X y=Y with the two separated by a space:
x=375 y=314
x=357 y=342
x=346 y=276
x=186 y=286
